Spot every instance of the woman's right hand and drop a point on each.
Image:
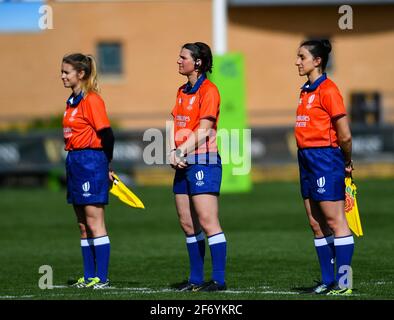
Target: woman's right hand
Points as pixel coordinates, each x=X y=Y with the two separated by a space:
x=176 y=162
x=181 y=164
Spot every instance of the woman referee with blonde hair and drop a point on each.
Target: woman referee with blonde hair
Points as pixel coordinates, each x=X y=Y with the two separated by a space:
x=89 y=141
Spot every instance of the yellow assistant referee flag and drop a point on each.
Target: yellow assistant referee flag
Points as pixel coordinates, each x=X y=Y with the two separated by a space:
x=120 y=190
x=351 y=208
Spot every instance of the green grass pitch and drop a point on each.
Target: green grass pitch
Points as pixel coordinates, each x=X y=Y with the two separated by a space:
x=270 y=245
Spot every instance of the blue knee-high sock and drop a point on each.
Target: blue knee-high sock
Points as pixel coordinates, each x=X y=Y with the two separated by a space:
x=344 y=247
x=88 y=256
x=102 y=248
x=218 y=246
x=330 y=241
x=196 y=249
x=326 y=258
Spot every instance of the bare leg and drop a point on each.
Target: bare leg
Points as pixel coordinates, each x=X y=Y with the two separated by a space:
x=207 y=209
x=95 y=220
x=316 y=218
x=334 y=212
x=187 y=215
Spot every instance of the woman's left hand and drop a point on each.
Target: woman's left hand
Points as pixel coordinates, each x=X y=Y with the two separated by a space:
x=349 y=168
x=111 y=178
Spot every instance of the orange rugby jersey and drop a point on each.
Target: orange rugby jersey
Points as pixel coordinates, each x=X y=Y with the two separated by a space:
x=81 y=123
x=193 y=106
x=316 y=110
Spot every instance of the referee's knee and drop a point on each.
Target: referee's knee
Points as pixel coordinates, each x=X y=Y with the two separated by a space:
x=187 y=227
x=96 y=230
x=316 y=229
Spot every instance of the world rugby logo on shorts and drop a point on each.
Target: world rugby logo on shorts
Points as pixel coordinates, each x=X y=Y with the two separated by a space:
x=200 y=177
x=321 y=183
x=86 y=188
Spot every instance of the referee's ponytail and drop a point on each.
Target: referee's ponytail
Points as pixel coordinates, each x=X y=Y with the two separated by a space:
x=87 y=64
x=319 y=48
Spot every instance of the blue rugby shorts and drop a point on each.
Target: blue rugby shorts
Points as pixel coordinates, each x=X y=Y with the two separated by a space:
x=87 y=177
x=322 y=173
x=202 y=175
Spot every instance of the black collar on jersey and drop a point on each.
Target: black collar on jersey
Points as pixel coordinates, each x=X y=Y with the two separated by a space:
x=308 y=87
x=73 y=101
x=191 y=90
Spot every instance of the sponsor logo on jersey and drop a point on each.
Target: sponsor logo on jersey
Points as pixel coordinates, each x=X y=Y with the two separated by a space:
x=181 y=121
x=302 y=120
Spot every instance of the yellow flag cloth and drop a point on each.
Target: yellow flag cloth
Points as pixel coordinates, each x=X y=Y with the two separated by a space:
x=351 y=208
x=120 y=190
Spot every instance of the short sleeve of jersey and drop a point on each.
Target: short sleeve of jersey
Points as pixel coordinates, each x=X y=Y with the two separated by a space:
x=332 y=102
x=209 y=103
x=95 y=112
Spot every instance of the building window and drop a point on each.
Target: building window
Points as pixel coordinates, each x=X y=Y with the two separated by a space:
x=109 y=58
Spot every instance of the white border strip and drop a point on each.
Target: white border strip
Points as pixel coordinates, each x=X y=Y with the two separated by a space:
x=219 y=238
x=193 y=239
x=343 y=241
x=100 y=241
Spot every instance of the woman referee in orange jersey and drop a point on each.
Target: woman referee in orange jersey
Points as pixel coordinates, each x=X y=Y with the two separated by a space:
x=325 y=156
x=89 y=141
x=198 y=171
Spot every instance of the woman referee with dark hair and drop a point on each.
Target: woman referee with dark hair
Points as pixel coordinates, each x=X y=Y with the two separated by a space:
x=198 y=171
x=89 y=141
x=325 y=156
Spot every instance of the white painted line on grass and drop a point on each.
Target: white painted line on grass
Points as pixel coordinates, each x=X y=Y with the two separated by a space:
x=144 y=290
x=16 y=297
